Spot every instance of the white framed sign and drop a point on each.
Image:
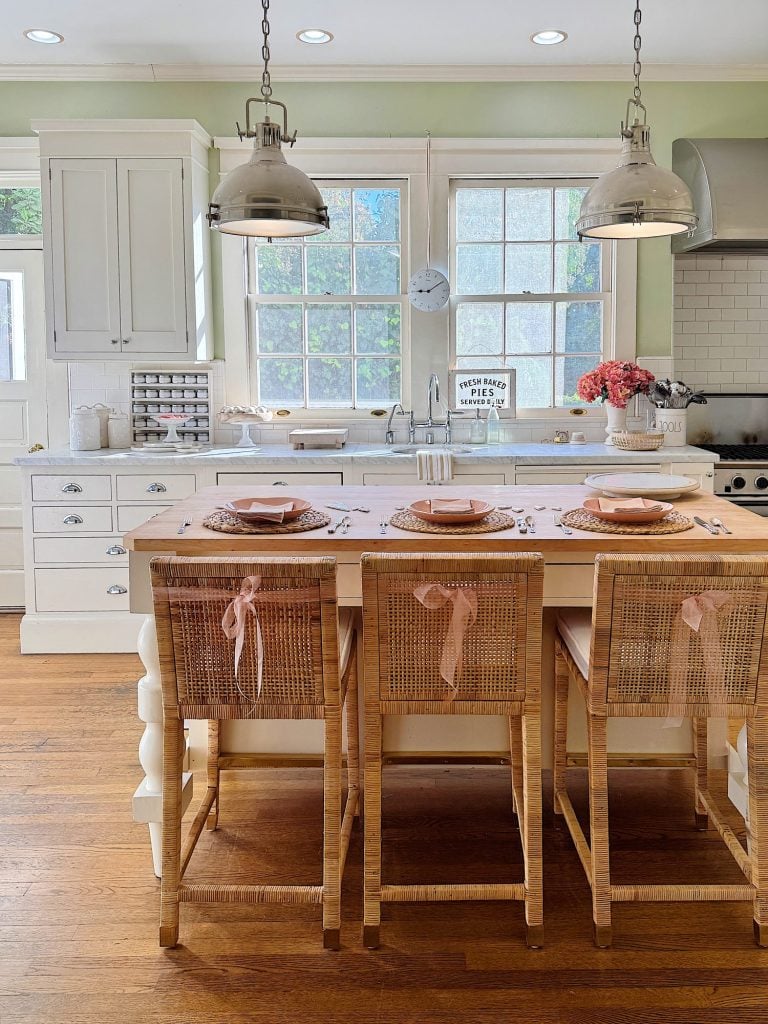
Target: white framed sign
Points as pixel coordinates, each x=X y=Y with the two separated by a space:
x=480 y=389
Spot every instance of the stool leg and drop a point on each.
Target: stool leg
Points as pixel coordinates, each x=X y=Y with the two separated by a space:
x=372 y=825
x=353 y=737
x=757 y=770
x=173 y=741
x=214 y=775
x=534 y=898
x=332 y=829
x=598 y=825
x=516 y=762
x=561 y=725
x=702 y=770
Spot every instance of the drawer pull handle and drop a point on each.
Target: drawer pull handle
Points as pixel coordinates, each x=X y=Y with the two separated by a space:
x=116 y=588
x=72 y=489
x=73 y=520
x=115 y=341
x=116 y=549
x=157 y=488
x=280 y=483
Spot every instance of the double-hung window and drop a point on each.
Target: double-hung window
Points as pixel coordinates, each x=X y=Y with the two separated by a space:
x=326 y=322
x=527 y=294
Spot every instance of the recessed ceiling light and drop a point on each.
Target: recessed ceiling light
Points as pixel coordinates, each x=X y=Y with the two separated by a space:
x=314 y=35
x=43 y=35
x=549 y=37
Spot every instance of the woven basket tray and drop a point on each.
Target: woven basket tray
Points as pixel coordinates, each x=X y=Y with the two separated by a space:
x=493 y=521
x=225 y=522
x=580 y=519
x=636 y=441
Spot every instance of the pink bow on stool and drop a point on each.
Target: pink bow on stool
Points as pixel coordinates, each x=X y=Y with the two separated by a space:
x=698 y=614
x=233 y=624
x=464 y=614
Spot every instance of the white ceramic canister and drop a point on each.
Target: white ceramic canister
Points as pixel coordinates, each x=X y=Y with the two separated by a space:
x=84 y=430
x=672 y=423
x=103 y=412
x=119 y=429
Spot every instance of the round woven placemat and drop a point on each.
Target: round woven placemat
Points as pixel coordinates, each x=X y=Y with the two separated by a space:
x=493 y=521
x=580 y=519
x=225 y=522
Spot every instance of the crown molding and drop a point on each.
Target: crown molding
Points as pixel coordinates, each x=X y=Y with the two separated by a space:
x=382 y=73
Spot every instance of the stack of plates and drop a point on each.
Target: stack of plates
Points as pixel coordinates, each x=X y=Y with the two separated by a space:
x=646 y=511
x=471 y=512
x=243 y=509
x=645 y=485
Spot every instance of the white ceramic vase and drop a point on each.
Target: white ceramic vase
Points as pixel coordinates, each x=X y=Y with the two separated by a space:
x=617 y=421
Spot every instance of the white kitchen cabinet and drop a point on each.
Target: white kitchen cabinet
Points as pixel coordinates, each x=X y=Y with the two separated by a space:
x=288 y=479
x=126 y=247
x=411 y=479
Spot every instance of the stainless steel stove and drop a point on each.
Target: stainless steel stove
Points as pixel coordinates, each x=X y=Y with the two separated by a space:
x=735 y=427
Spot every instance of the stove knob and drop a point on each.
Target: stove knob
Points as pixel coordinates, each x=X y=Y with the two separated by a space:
x=738 y=483
x=761 y=482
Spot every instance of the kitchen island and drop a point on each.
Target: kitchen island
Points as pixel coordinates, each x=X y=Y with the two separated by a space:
x=567 y=582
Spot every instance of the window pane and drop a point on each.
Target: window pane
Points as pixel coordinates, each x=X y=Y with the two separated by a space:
x=534 y=382
x=479 y=214
x=577 y=267
x=529 y=214
x=567 y=372
x=377 y=214
x=478 y=269
x=339 y=202
x=479 y=328
x=278 y=269
x=578 y=327
x=528 y=268
x=20 y=211
x=377 y=270
x=12 y=337
x=378 y=381
x=567 y=207
x=528 y=327
x=279 y=328
x=330 y=382
x=329 y=328
x=329 y=270
x=377 y=329
x=6 y=313
x=281 y=382
x=482 y=363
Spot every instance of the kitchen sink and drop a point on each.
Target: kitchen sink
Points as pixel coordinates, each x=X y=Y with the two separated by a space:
x=411 y=449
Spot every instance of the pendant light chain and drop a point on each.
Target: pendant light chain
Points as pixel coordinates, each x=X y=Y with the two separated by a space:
x=429 y=198
x=266 y=82
x=638 y=42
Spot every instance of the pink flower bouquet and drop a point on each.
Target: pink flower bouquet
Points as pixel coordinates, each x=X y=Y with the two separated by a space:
x=614 y=382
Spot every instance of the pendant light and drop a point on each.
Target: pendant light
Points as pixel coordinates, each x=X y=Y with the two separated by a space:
x=638 y=199
x=267 y=197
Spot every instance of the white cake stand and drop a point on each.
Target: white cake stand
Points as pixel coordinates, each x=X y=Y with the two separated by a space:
x=178 y=420
x=245 y=434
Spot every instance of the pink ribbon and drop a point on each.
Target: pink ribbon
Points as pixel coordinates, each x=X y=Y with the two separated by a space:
x=698 y=613
x=233 y=624
x=464 y=613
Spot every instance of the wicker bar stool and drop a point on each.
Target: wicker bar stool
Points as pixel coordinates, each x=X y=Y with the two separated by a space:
x=670 y=636
x=483 y=612
x=297 y=660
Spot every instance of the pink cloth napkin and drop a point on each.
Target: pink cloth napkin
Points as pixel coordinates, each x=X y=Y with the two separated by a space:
x=267 y=513
x=627 y=505
x=450 y=505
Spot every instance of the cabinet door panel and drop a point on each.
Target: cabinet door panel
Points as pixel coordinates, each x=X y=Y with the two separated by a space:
x=86 y=289
x=151 y=246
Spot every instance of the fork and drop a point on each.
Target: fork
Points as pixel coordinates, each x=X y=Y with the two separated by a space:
x=186 y=522
x=566 y=529
x=530 y=522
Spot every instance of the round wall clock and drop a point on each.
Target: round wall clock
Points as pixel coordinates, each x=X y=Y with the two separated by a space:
x=428 y=290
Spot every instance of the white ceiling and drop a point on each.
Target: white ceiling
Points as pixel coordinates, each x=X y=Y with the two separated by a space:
x=226 y=33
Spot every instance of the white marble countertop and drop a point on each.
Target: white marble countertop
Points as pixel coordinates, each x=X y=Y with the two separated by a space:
x=282 y=456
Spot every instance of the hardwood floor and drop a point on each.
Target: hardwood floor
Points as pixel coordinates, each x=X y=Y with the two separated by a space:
x=79 y=904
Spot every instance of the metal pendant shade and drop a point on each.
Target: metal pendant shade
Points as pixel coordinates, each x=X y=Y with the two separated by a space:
x=638 y=199
x=267 y=197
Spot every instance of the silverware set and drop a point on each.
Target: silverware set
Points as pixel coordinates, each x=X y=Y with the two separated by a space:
x=557 y=519
x=342 y=524
x=713 y=525
x=187 y=521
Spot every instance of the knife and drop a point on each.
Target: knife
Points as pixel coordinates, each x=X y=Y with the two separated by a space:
x=707 y=526
x=339 y=506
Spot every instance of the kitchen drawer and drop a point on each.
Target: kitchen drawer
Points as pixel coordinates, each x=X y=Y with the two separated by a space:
x=160 y=486
x=131 y=516
x=405 y=479
x=71 y=488
x=80 y=519
x=79 y=550
x=81 y=590
x=277 y=479
x=575 y=475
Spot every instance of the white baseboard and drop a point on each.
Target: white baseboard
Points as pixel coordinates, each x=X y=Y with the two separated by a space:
x=80 y=632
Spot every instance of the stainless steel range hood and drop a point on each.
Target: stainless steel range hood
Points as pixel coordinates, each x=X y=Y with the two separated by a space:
x=728 y=179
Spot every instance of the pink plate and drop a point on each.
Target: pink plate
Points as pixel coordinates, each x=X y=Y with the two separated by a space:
x=299 y=506
x=650 y=516
x=421 y=509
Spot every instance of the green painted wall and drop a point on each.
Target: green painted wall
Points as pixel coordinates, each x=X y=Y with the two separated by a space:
x=485 y=110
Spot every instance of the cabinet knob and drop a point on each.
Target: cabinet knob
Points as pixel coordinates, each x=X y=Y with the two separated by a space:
x=156 y=488
x=280 y=483
x=72 y=489
x=116 y=588
x=126 y=341
x=710 y=474
x=116 y=549
x=72 y=520
x=115 y=341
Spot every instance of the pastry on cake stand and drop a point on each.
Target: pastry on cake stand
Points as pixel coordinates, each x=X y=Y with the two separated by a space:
x=245 y=416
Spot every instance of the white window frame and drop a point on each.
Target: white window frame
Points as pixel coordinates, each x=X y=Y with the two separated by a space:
x=20 y=168
x=353 y=299
x=404 y=158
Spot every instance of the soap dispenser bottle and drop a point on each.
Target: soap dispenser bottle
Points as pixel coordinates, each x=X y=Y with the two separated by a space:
x=492 y=430
x=477 y=429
